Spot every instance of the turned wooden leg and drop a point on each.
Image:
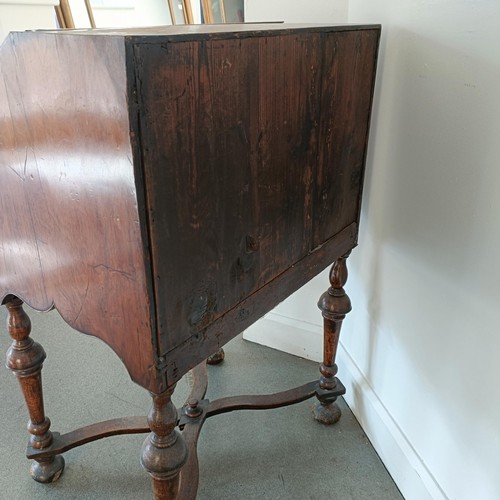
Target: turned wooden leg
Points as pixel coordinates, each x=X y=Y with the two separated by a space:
x=25 y=358
x=334 y=305
x=164 y=451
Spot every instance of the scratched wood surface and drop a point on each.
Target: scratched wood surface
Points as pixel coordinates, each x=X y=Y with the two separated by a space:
x=228 y=157
x=350 y=63
x=166 y=187
x=69 y=225
x=253 y=157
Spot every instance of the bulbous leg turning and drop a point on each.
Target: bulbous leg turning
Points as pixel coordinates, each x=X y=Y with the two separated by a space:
x=25 y=359
x=334 y=305
x=164 y=451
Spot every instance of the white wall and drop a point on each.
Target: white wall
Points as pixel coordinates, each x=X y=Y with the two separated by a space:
x=133 y=13
x=296 y=11
x=420 y=349
x=19 y=15
x=427 y=277
x=122 y=13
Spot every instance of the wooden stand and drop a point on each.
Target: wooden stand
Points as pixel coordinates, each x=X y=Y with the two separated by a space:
x=169 y=452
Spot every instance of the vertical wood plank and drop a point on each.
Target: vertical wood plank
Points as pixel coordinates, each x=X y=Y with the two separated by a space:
x=230 y=134
x=348 y=76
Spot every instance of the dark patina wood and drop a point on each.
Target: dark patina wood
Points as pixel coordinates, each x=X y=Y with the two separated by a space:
x=163 y=188
x=239 y=164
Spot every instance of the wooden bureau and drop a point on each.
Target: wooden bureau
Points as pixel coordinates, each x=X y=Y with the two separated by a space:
x=163 y=188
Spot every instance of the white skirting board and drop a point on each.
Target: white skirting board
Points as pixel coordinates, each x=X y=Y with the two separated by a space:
x=304 y=339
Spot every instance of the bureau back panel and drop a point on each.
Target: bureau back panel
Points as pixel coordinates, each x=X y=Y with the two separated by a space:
x=253 y=151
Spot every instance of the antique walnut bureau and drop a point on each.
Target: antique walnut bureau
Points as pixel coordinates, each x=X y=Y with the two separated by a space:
x=163 y=188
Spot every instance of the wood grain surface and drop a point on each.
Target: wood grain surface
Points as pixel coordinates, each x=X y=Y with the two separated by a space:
x=253 y=156
x=163 y=188
x=70 y=230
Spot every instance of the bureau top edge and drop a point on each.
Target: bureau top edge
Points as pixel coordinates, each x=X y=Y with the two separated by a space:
x=195 y=31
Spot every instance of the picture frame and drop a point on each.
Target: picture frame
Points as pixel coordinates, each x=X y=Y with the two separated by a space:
x=181 y=11
x=64 y=14
x=222 y=11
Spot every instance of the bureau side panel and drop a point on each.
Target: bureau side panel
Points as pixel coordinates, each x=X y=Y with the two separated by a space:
x=349 y=67
x=229 y=130
x=69 y=224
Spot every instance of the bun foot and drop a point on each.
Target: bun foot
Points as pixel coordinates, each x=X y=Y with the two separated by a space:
x=327 y=414
x=216 y=358
x=47 y=471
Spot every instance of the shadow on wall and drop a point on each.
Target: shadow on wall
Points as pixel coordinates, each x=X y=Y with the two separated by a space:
x=427 y=267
